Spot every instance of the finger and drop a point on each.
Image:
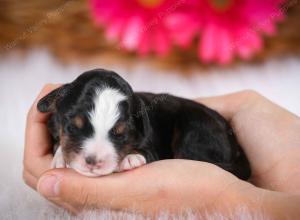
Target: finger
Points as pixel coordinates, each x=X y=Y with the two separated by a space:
x=29 y=179
x=36 y=167
x=65 y=186
x=37 y=139
x=228 y=105
x=135 y=190
x=36 y=127
x=34 y=115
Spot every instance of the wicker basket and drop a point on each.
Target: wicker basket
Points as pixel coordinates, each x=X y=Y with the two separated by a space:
x=66 y=29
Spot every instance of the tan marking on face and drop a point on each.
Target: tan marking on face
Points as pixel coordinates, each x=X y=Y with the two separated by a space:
x=78 y=122
x=61 y=131
x=67 y=148
x=119 y=128
x=63 y=142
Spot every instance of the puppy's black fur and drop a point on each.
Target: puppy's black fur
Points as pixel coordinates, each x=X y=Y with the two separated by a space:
x=158 y=126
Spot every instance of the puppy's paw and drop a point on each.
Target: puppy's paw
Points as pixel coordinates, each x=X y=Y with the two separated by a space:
x=58 y=160
x=132 y=161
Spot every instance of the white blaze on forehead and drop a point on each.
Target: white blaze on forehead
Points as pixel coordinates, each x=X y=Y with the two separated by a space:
x=103 y=117
x=106 y=111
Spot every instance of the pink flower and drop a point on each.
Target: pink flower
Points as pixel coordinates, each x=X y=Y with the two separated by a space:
x=225 y=29
x=229 y=28
x=136 y=24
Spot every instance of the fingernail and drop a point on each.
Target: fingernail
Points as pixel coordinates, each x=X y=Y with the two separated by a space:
x=48 y=186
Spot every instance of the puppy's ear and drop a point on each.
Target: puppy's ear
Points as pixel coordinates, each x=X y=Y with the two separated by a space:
x=49 y=102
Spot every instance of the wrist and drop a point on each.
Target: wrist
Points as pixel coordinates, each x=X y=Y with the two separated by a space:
x=260 y=202
x=280 y=205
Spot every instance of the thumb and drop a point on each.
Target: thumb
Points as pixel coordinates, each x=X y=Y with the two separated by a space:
x=71 y=190
x=68 y=189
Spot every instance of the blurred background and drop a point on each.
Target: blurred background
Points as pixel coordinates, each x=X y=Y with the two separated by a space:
x=189 y=48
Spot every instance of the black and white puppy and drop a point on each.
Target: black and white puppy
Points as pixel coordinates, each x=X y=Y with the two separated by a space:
x=99 y=126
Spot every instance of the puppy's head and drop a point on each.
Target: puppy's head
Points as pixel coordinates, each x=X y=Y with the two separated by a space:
x=97 y=119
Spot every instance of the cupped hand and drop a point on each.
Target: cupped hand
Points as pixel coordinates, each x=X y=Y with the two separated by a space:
x=269 y=135
x=38 y=146
x=173 y=185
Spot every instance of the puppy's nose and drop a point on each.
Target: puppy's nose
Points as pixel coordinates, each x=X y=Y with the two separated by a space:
x=91 y=160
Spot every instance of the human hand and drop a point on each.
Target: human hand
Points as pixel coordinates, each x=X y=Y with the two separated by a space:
x=268 y=134
x=172 y=185
x=38 y=147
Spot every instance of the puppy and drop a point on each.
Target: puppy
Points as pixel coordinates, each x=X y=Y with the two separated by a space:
x=99 y=126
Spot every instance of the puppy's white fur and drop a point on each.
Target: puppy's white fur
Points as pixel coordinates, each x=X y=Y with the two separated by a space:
x=132 y=161
x=58 y=159
x=103 y=117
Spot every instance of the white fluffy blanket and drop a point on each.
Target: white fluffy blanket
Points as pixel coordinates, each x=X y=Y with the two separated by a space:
x=21 y=78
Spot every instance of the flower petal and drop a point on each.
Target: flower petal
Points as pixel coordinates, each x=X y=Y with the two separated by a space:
x=161 y=44
x=132 y=33
x=144 y=46
x=114 y=30
x=225 y=52
x=207 y=47
x=182 y=27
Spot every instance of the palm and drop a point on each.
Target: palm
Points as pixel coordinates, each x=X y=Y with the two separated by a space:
x=268 y=134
